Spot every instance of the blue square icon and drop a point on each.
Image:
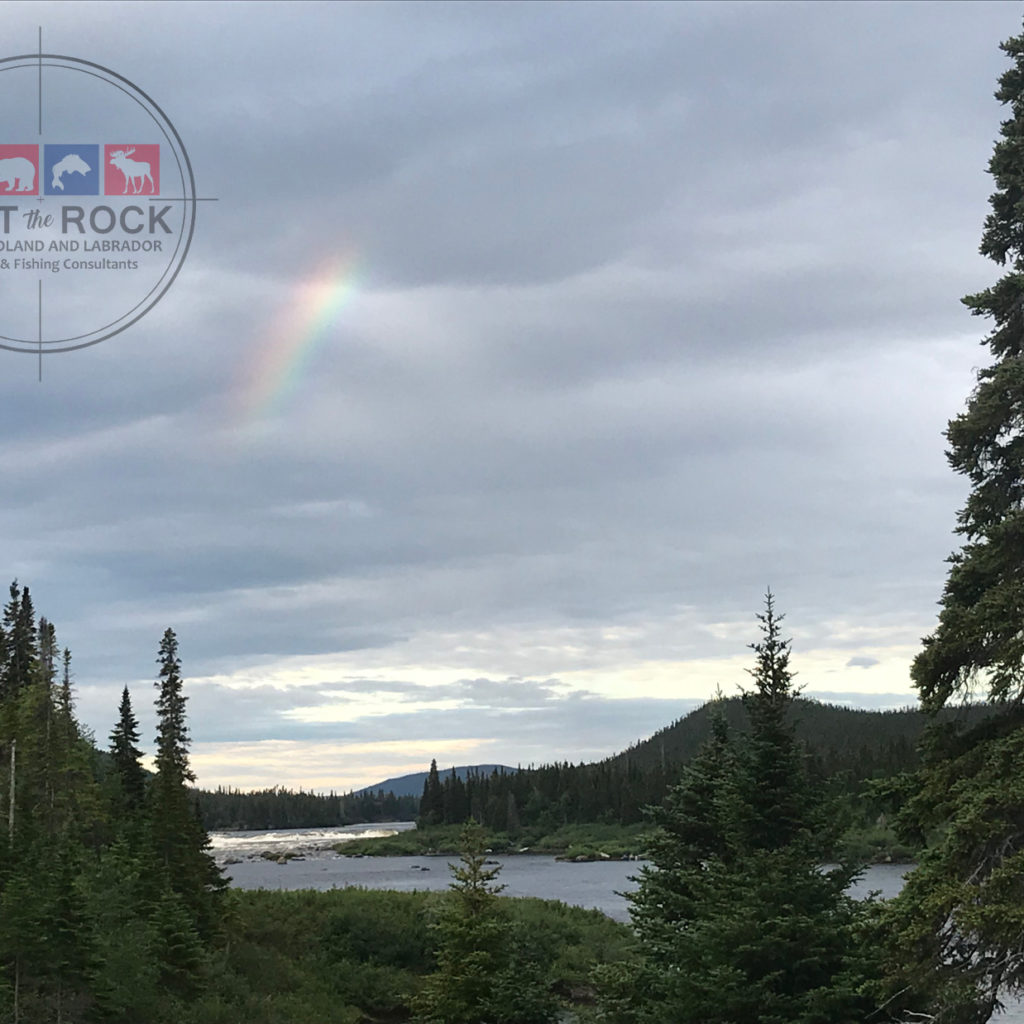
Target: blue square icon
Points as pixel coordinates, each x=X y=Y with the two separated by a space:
x=71 y=170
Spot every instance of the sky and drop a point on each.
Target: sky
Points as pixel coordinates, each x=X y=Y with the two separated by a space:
x=524 y=347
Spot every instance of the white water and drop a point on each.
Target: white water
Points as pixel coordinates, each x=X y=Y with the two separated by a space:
x=305 y=841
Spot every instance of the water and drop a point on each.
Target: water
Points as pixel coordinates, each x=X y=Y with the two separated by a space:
x=595 y=885
x=599 y=885
x=307 y=841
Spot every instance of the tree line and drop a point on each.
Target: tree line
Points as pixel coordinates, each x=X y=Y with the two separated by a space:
x=846 y=750
x=281 y=808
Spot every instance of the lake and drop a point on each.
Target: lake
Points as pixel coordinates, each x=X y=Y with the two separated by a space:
x=598 y=885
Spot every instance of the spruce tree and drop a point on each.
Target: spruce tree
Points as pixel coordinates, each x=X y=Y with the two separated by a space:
x=172 y=739
x=127 y=970
x=20 y=653
x=66 y=730
x=484 y=972
x=737 y=921
x=691 y=829
x=958 y=925
x=979 y=642
x=180 y=843
x=126 y=756
x=432 y=802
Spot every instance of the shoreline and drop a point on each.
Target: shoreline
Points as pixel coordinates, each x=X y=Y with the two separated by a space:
x=579 y=844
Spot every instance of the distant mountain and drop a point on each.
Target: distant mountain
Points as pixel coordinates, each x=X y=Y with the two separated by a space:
x=412 y=785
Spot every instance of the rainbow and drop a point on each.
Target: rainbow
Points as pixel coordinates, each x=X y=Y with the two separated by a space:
x=286 y=351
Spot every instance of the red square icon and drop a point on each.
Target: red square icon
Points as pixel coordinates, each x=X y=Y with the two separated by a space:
x=19 y=170
x=131 y=170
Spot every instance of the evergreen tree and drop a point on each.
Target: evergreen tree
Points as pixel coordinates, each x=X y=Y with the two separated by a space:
x=736 y=919
x=484 y=974
x=47 y=641
x=782 y=805
x=126 y=970
x=432 y=804
x=65 y=697
x=126 y=756
x=177 y=947
x=180 y=843
x=958 y=926
x=978 y=639
x=20 y=650
x=172 y=739
x=454 y=800
x=692 y=829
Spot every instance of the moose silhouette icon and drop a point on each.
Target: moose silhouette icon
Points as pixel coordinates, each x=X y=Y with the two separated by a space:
x=136 y=172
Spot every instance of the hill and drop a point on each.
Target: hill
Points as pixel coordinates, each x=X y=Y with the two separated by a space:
x=847 y=746
x=840 y=737
x=412 y=785
x=847 y=749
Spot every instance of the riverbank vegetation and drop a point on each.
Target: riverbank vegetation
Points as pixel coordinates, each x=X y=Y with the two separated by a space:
x=874 y=844
x=571 y=842
x=353 y=956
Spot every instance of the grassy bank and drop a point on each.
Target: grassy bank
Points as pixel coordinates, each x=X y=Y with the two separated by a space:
x=355 y=956
x=876 y=844
x=868 y=845
x=584 y=842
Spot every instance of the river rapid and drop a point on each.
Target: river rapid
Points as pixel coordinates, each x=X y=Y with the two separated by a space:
x=599 y=885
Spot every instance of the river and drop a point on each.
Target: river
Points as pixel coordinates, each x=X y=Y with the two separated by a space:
x=599 y=885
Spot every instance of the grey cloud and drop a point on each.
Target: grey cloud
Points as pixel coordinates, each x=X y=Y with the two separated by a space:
x=549 y=730
x=223 y=712
x=860 y=661
x=656 y=305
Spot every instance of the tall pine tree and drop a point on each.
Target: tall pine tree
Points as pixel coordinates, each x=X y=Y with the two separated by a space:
x=737 y=921
x=20 y=653
x=126 y=756
x=959 y=922
x=180 y=843
x=432 y=801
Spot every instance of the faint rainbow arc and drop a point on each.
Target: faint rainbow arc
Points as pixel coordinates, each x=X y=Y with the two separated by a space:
x=286 y=352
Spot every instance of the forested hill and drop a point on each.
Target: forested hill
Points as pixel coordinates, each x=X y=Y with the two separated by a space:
x=846 y=745
x=847 y=748
x=840 y=737
x=412 y=785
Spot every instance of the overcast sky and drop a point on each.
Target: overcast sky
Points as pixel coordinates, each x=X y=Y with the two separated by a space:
x=525 y=346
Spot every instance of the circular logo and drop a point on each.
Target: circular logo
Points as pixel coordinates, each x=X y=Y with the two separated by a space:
x=97 y=203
